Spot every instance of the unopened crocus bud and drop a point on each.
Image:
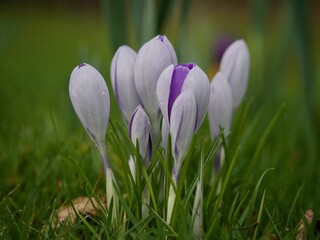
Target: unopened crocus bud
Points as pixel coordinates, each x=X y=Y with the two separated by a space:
x=153 y=57
x=140 y=129
x=174 y=80
x=183 y=119
x=90 y=99
x=235 y=65
x=122 y=79
x=220 y=105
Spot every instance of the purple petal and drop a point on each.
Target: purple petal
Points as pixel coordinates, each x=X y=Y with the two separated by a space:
x=179 y=74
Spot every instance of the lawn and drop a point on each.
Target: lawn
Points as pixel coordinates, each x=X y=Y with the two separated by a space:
x=46 y=158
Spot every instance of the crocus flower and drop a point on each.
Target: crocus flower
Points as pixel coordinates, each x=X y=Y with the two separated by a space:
x=153 y=57
x=235 y=67
x=183 y=119
x=220 y=105
x=90 y=99
x=122 y=79
x=176 y=79
x=140 y=129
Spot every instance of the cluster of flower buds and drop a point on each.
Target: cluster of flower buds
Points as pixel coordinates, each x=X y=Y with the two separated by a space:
x=150 y=88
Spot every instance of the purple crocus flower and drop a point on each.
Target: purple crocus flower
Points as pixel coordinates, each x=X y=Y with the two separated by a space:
x=153 y=57
x=176 y=79
x=220 y=105
x=140 y=129
x=122 y=79
x=90 y=99
x=235 y=65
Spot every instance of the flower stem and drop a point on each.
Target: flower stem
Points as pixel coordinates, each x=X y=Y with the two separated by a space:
x=171 y=198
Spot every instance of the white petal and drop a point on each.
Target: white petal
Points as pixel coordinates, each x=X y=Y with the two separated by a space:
x=163 y=91
x=170 y=49
x=198 y=82
x=90 y=99
x=235 y=65
x=140 y=128
x=220 y=105
x=153 y=57
x=122 y=78
x=183 y=117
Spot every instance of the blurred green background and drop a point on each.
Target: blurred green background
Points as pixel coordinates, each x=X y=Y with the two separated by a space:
x=42 y=41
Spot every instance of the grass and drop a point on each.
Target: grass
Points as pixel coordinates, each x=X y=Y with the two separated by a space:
x=47 y=160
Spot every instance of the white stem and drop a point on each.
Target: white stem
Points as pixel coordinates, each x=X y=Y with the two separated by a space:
x=145 y=202
x=171 y=199
x=111 y=194
x=197 y=212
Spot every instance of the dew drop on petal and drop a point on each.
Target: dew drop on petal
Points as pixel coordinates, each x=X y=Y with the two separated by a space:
x=104 y=92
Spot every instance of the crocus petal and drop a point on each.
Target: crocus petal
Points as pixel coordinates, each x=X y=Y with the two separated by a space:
x=235 y=65
x=198 y=82
x=153 y=57
x=183 y=117
x=139 y=129
x=163 y=91
x=90 y=99
x=220 y=105
x=122 y=79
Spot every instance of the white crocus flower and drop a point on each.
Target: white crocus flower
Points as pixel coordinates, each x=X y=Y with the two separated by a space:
x=122 y=79
x=235 y=64
x=90 y=99
x=153 y=57
x=220 y=105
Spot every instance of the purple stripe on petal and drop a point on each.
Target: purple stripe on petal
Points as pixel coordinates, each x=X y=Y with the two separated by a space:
x=81 y=65
x=161 y=37
x=131 y=120
x=150 y=147
x=179 y=75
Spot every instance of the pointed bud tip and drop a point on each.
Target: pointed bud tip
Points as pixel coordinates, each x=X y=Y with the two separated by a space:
x=82 y=65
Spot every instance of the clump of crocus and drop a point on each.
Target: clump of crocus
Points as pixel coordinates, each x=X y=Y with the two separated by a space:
x=90 y=99
x=122 y=79
x=227 y=90
x=153 y=57
x=183 y=95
